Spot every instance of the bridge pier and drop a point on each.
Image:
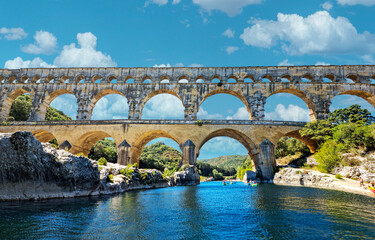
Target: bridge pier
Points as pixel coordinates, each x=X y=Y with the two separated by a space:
x=188 y=153
x=123 y=157
x=267 y=159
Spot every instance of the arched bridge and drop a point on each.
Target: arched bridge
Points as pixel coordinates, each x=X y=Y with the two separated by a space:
x=315 y=85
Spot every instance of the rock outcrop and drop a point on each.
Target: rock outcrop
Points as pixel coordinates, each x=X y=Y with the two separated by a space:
x=28 y=172
x=188 y=177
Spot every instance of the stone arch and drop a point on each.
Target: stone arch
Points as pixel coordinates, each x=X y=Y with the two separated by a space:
x=157 y=92
x=310 y=143
x=99 y=95
x=302 y=95
x=145 y=138
x=362 y=94
x=230 y=92
x=145 y=78
x=86 y=141
x=267 y=76
x=1 y=78
x=11 y=79
x=36 y=78
x=331 y=77
x=96 y=77
x=79 y=78
x=7 y=104
x=352 y=77
x=48 y=100
x=23 y=79
x=287 y=77
x=183 y=79
x=43 y=135
x=111 y=78
x=237 y=135
x=49 y=78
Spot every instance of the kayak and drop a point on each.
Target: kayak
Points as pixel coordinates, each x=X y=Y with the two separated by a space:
x=371 y=189
x=254 y=185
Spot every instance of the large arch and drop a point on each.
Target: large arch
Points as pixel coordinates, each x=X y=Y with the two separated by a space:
x=140 y=143
x=302 y=95
x=362 y=94
x=99 y=96
x=230 y=92
x=48 y=100
x=158 y=92
x=86 y=141
x=7 y=104
x=43 y=135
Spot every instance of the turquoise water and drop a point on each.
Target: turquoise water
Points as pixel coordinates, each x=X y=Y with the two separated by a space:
x=207 y=211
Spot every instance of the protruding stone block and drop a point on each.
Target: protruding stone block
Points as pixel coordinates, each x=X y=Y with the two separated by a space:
x=124 y=153
x=65 y=145
x=188 y=153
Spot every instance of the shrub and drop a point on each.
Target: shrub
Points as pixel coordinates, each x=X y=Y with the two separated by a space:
x=338 y=176
x=298 y=172
x=102 y=161
x=80 y=154
x=4 y=123
x=135 y=165
x=217 y=175
x=127 y=172
x=199 y=123
x=168 y=173
x=110 y=177
x=329 y=156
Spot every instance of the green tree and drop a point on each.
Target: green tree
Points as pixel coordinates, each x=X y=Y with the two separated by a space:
x=247 y=165
x=160 y=156
x=321 y=130
x=352 y=114
x=21 y=108
x=354 y=135
x=329 y=156
x=105 y=148
x=290 y=146
x=217 y=175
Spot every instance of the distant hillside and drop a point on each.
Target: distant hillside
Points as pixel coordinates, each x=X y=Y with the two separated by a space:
x=230 y=161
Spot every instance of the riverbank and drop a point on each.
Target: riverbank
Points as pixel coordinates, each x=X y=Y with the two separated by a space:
x=316 y=179
x=30 y=170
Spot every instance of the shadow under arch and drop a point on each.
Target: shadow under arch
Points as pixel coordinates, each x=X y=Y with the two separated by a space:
x=48 y=100
x=140 y=143
x=86 y=141
x=7 y=104
x=237 y=135
x=310 y=143
x=230 y=92
x=158 y=92
x=43 y=135
x=362 y=94
x=99 y=96
x=302 y=95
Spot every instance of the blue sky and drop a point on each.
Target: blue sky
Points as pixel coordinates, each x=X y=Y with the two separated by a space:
x=152 y=33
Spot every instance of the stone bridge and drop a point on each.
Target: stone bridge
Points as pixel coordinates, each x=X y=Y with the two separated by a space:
x=258 y=137
x=315 y=85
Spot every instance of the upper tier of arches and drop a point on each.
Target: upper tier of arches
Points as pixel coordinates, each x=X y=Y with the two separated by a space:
x=293 y=74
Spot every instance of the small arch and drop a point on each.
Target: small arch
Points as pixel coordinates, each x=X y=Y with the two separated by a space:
x=183 y=81
x=231 y=80
x=24 y=79
x=112 y=79
x=43 y=135
x=286 y=78
x=96 y=79
x=65 y=79
x=36 y=79
x=248 y=80
x=145 y=138
x=267 y=78
x=80 y=79
x=2 y=79
x=147 y=80
x=307 y=78
x=86 y=141
x=372 y=79
x=130 y=81
x=50 y=79
x=164 y=81
x=352 y=78
x=12 y=79
x=329 y=78
x=215 y=80
x=200 y=79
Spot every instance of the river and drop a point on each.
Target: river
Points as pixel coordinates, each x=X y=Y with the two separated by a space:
x=207 y=211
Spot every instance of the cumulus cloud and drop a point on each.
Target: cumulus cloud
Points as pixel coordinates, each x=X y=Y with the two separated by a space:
x=203 y=114
x=176 y=1
x=231 y=49
x=355 y=2
x=229 y=33
x=45 y=43
x=220 y=146
x=112 y=106
x=85 y=55
x=231 y=8
x=162 y=65
x=322 y=64
x=327 y=6
x=164 y=106
x=291 y=113
x=18 y=62
x=285 y=62
x=241 y=114
x=195 y=65
x=318 y=33
x=12 y=33
x=66 y=103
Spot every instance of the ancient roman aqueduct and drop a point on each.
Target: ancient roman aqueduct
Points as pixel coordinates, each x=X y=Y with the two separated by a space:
x=315 y=85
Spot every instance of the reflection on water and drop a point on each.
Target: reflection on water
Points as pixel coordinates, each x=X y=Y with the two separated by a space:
x=207 y=211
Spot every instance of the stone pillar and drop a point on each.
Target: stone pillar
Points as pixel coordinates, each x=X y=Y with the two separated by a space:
x=256 y=104
x=191 y=106
x=37 y=102
x=267 y=159
x=65 y=145
x=322 y=105
x=188 y=153
x=83 y=105
x=123 y=157
x=135 y=111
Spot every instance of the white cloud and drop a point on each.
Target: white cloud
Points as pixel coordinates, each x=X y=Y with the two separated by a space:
x=223 y=145
x=231 y=49
x=176 y=1
x=163 y=106
x=112 y=106
x=162 y=65
x=322 y=64
x=285 y=62
x=355 y=2
x=66 y=103
x=230 y=7
x=327 y=6
x=318 y=33
x=229 y=33
x=368 y=59
x=179 y=65
x=241 y=114
x=85 y=55
x=195 y=65
x=12 y=33
x=291 y=113
x=203 y=114
x=45 y=43
x=18 y=62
